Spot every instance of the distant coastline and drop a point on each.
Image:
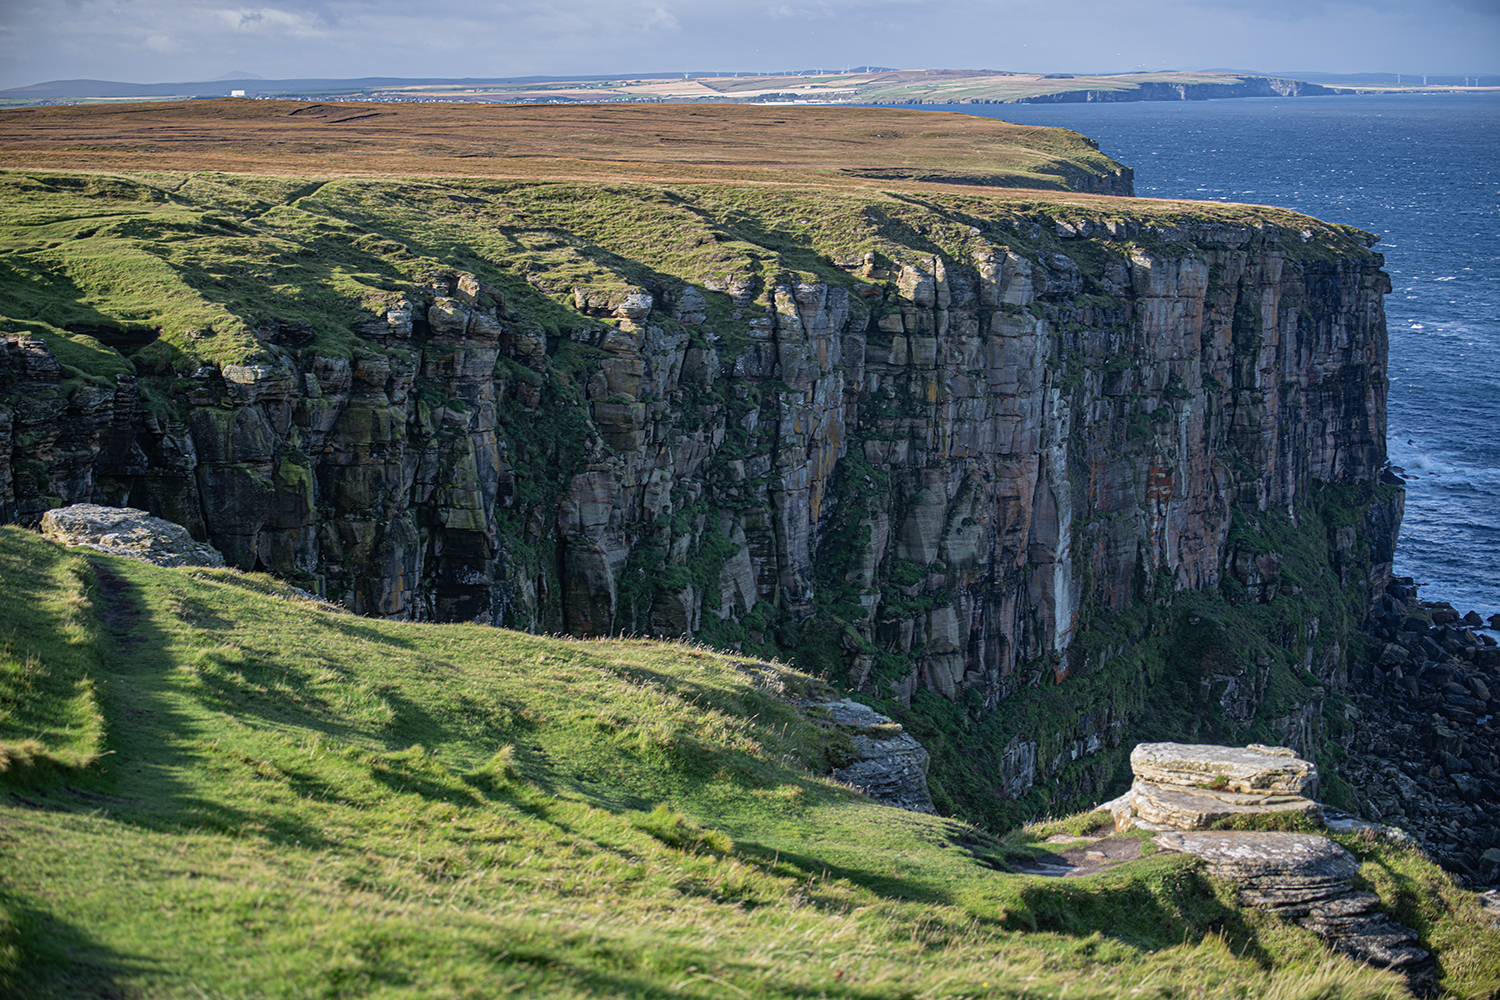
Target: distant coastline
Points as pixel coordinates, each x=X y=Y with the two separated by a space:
x=864 y=85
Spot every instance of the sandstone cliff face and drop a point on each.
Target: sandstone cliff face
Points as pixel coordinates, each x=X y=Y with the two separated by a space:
x=930 y=473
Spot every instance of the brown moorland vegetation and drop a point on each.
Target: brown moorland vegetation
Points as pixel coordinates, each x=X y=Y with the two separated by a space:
x=612 y=142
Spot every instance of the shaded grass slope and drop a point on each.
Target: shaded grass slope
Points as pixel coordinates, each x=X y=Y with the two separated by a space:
x=266 y=797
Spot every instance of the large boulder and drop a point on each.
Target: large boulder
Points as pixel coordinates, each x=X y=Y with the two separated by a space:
x=1254 y=769
x=125 y=531
x=1180 y=786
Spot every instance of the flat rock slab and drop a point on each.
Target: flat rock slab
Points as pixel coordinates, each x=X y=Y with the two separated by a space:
x=1305 y=878
x=1253 y=859
x=1159 y=808
x=1250 y=769
x=1086 y=856
x=125 y=531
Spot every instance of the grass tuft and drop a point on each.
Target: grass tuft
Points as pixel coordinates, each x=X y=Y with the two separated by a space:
x=676 y=830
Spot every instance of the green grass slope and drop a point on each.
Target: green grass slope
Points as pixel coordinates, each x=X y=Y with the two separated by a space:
x=192 y=263
x=255 y=795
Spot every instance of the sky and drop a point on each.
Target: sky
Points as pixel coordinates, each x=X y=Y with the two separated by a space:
x=159 y=41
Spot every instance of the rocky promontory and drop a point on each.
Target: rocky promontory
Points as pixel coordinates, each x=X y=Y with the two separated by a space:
x=1223 y=804
x=1040 y=479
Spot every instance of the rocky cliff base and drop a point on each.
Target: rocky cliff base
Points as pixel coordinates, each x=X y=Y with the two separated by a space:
x=1421 y=733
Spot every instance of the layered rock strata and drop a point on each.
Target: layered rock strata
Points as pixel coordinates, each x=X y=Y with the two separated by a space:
x=1307 y=879
x=1182 y=790
x=926 y=469
x=884 y=761
x=1195 y=787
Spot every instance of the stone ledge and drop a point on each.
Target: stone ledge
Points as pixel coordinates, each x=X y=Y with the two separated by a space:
x=1160 y=808
x=125 y=531
x=1249 y=770
x=1305 y=878
x=889 y=765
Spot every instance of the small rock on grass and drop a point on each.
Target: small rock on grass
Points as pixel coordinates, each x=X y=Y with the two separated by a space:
x=125 y=531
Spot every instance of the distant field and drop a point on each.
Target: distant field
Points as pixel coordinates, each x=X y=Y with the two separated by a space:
x=860 y=86
x=626 y=141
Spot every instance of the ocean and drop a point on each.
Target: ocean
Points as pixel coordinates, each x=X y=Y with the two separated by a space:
x=1423 y=171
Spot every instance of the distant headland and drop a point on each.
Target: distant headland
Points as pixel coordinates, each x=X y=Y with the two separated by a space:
x=860 y=85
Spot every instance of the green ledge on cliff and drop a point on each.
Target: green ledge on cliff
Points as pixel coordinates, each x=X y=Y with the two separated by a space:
x=1032 y=475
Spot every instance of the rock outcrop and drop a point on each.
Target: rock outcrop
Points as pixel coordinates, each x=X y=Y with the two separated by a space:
x=1256 y=769
x=1307 y=879
x=885 y=762
x=932 y=468
x=124 y=531
x=1185 y=791
x=1186 y=787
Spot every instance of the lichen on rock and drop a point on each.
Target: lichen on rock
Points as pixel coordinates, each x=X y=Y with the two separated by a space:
x=124 y=531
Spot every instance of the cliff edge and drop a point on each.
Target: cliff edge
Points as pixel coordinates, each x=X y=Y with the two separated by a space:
x=1041 y=477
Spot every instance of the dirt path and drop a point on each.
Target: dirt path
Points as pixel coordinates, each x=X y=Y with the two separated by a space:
x=1082 y=856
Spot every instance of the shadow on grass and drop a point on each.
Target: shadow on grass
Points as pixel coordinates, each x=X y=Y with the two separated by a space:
x=1180 y=907
x=1402 y=897
x=47 y=295
x=889 y=886
x=43 y=955
x=150 y=743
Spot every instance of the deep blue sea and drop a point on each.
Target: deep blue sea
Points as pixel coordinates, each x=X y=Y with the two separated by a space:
x=1423 y=171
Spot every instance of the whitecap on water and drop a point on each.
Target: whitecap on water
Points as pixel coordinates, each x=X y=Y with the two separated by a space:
x=1418 y=463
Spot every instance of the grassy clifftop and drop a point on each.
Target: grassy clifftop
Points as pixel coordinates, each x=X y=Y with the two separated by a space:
x=233 y=791
x=197 y=260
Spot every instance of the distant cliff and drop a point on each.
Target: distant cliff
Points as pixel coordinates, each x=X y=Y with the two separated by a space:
x=1167 y=90
x=1042 y=478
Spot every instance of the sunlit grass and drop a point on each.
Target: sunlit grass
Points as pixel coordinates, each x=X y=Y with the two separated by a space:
x=289 y=801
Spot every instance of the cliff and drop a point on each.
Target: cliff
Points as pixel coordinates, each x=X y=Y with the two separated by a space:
x=1041 y=478
x=1189 y=90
